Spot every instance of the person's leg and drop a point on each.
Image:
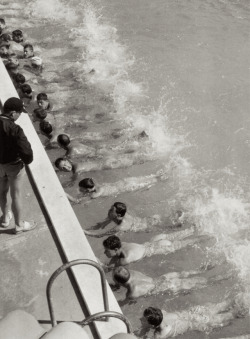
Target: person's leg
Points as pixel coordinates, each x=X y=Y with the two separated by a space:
x=15 y=192
x=4 y=188
x=16 y=173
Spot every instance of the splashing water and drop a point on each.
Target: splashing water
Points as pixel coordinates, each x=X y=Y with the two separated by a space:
x=106 y=64
x=54 y=10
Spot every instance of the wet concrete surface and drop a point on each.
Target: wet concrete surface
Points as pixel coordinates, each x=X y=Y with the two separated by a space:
x=27 y=260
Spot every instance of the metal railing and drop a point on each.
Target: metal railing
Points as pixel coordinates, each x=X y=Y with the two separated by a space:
x=101 y=315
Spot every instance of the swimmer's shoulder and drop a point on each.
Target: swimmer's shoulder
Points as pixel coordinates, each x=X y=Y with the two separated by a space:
x=97 y=193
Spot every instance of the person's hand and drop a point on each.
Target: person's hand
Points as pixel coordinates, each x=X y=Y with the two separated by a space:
x=115 y=287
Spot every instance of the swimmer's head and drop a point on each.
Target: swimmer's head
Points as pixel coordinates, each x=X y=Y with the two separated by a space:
x=28 y=51
x=63 y=140
x=13 y=58
x=153 y=316
x=63 y=165
x=26 y=91
x=40 y=113
x=42 y=100
x=17 y=36
x=2 y=23
x=4 y=48
x=19 y=79
x=121 y=275
x=5 y=37
x=87 y=185
x=121 y=208
x=112 y=246
x=117 y=212
x=11 y=67
x=46 y=127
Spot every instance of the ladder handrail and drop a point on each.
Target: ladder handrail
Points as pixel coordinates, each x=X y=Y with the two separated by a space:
x=113 y=314
x=67 y=266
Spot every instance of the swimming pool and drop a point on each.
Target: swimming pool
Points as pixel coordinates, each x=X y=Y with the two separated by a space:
x=180 y=73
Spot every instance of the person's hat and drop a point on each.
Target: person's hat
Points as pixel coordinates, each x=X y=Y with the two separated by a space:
x=13 y=104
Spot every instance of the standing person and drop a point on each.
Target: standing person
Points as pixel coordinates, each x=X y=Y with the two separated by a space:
x=15 y=152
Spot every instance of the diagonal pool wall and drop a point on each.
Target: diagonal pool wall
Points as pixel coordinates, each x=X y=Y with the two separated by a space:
x=68 y=231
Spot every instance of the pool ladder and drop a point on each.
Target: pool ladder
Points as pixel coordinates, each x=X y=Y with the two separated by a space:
x=100 y=315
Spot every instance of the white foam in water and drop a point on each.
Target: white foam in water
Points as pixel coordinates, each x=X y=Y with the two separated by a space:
x=103 y=53
x=51 y=10
x=224 y=216
x=112 y=63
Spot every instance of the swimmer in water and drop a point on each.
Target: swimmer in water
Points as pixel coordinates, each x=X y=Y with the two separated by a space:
x=39 y=114
x=30 y=60
x=125 y=222
x=197 y=318
x=74 y=148
x=132 y=144
x=122 y=253
x=4 y=49
x=25 y=93
x=139 y=284
x=129 y=184
x=28 y=51
x=16 y=44
x=43 y=102
x=46 y=128
x=18 y=80
x=17 y=36
x=68 y=165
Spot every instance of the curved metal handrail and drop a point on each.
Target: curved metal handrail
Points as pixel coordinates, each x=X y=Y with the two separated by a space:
x=65 y=267
x=105 y=314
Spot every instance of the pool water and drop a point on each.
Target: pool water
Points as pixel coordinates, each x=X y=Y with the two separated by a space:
x=180 y=72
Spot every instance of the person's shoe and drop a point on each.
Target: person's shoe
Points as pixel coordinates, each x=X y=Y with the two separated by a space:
x=5 y=223
x=25 y=227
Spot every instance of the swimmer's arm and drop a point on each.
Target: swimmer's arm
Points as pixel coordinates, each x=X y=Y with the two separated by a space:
x=71 y=182
x=72 y=199
x=115 y=287
x=101 y=224
x=142 y=332
x=84 y=200
x=100 y=235
x=105 y=267
x=96 y=194
x=186 y=274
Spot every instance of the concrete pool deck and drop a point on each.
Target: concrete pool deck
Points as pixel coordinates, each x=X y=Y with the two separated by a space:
x=28 y=260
